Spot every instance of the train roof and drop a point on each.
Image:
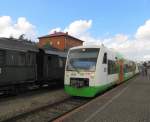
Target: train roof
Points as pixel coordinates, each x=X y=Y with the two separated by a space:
x=119 y=55
x=86 y=46
x=17 y=44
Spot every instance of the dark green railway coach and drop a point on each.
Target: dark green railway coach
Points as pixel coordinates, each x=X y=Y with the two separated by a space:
x=23 y=64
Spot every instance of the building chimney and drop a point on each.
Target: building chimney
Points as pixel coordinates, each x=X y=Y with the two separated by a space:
x=66 y=33
x=55 y=32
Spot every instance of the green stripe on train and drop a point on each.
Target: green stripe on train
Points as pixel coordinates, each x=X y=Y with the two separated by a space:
x=87 y=91
x=127 y=76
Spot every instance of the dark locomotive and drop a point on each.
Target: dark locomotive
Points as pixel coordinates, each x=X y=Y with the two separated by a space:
x=23 y=64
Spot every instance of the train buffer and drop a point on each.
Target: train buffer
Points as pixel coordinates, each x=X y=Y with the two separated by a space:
x=128 y=102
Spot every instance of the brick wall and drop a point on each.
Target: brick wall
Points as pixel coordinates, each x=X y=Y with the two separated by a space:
x=60 y=42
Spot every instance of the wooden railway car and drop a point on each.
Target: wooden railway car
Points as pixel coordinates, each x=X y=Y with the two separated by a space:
x=23 y=64
x=17 y=63
x=50 y=67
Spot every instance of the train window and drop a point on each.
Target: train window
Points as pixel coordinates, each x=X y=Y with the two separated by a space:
x=29 y=59
x=60 y=63
x=105 y=58
x=112 y=68
x=129 y=67
x=22 y=59
x=53 y=62
x=109 y=67
x=10 y=58
x=2 y=57
x=49 y=58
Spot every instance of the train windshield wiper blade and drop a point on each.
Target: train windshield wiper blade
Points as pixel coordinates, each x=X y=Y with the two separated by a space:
x=75 y=68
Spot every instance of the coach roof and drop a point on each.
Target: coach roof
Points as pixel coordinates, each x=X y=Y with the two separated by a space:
x=17 y=44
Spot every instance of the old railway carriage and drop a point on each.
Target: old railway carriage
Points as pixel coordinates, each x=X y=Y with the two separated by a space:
x=23 y=64
x=50 y=67
x=92 y=69
x=17 y=63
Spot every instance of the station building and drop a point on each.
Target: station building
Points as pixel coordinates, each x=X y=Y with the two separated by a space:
x=59 y=40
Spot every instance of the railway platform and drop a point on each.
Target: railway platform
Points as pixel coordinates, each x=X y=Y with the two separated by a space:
x=128 y=102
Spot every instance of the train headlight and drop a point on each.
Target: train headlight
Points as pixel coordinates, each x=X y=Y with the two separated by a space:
x=92 y=75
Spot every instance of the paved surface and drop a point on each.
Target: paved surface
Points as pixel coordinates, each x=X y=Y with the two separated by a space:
x=130 y=102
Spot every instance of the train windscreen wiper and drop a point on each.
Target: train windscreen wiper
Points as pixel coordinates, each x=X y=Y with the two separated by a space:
x=75 y=68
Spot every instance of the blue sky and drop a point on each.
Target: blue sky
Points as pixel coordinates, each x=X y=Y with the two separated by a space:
x=120 y=24
x=108 y=16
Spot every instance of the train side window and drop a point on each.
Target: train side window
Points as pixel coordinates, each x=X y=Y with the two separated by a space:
x=111 y=67
x=29 y=59
x=10 y=58
x=60 y=63
x=54 y=62
x=22 y=59
x=105 y=58
x=2 y=57
x=49 y=58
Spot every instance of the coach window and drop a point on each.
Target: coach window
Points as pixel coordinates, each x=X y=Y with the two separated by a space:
x=111 y=67
x=2 y=57
x=105 y=58
x=60 y=62
x=50 y=62
x=29 y=59
x=22 y=59
x=10 y=58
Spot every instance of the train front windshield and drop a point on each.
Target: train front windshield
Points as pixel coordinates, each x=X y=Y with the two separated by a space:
x=84 y=59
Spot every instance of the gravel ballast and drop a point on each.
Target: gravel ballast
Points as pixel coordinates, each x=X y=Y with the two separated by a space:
x=14 y=107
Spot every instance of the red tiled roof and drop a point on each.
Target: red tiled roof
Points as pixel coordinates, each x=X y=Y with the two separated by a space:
x=58 y=34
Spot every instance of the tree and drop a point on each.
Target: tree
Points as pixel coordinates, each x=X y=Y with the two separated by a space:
x=21 y=36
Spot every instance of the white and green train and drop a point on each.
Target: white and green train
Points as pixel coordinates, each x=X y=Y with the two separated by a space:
x=93 y=69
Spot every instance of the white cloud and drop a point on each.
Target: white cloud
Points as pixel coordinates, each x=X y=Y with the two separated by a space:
x=147 y=57
x=5 y=21
x=79 y=27
x=143 y=32
x=55 y=29
x=135 y=47
x=22 y=26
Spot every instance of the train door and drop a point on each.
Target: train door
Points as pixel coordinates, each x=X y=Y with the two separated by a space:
x=40 y=65
x=104 y=68
x=120 y=71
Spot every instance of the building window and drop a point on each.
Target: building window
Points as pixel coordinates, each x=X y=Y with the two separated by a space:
x=58 y=42
x=51 y=43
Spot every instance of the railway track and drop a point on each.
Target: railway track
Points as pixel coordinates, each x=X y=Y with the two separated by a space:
x=50 y=112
